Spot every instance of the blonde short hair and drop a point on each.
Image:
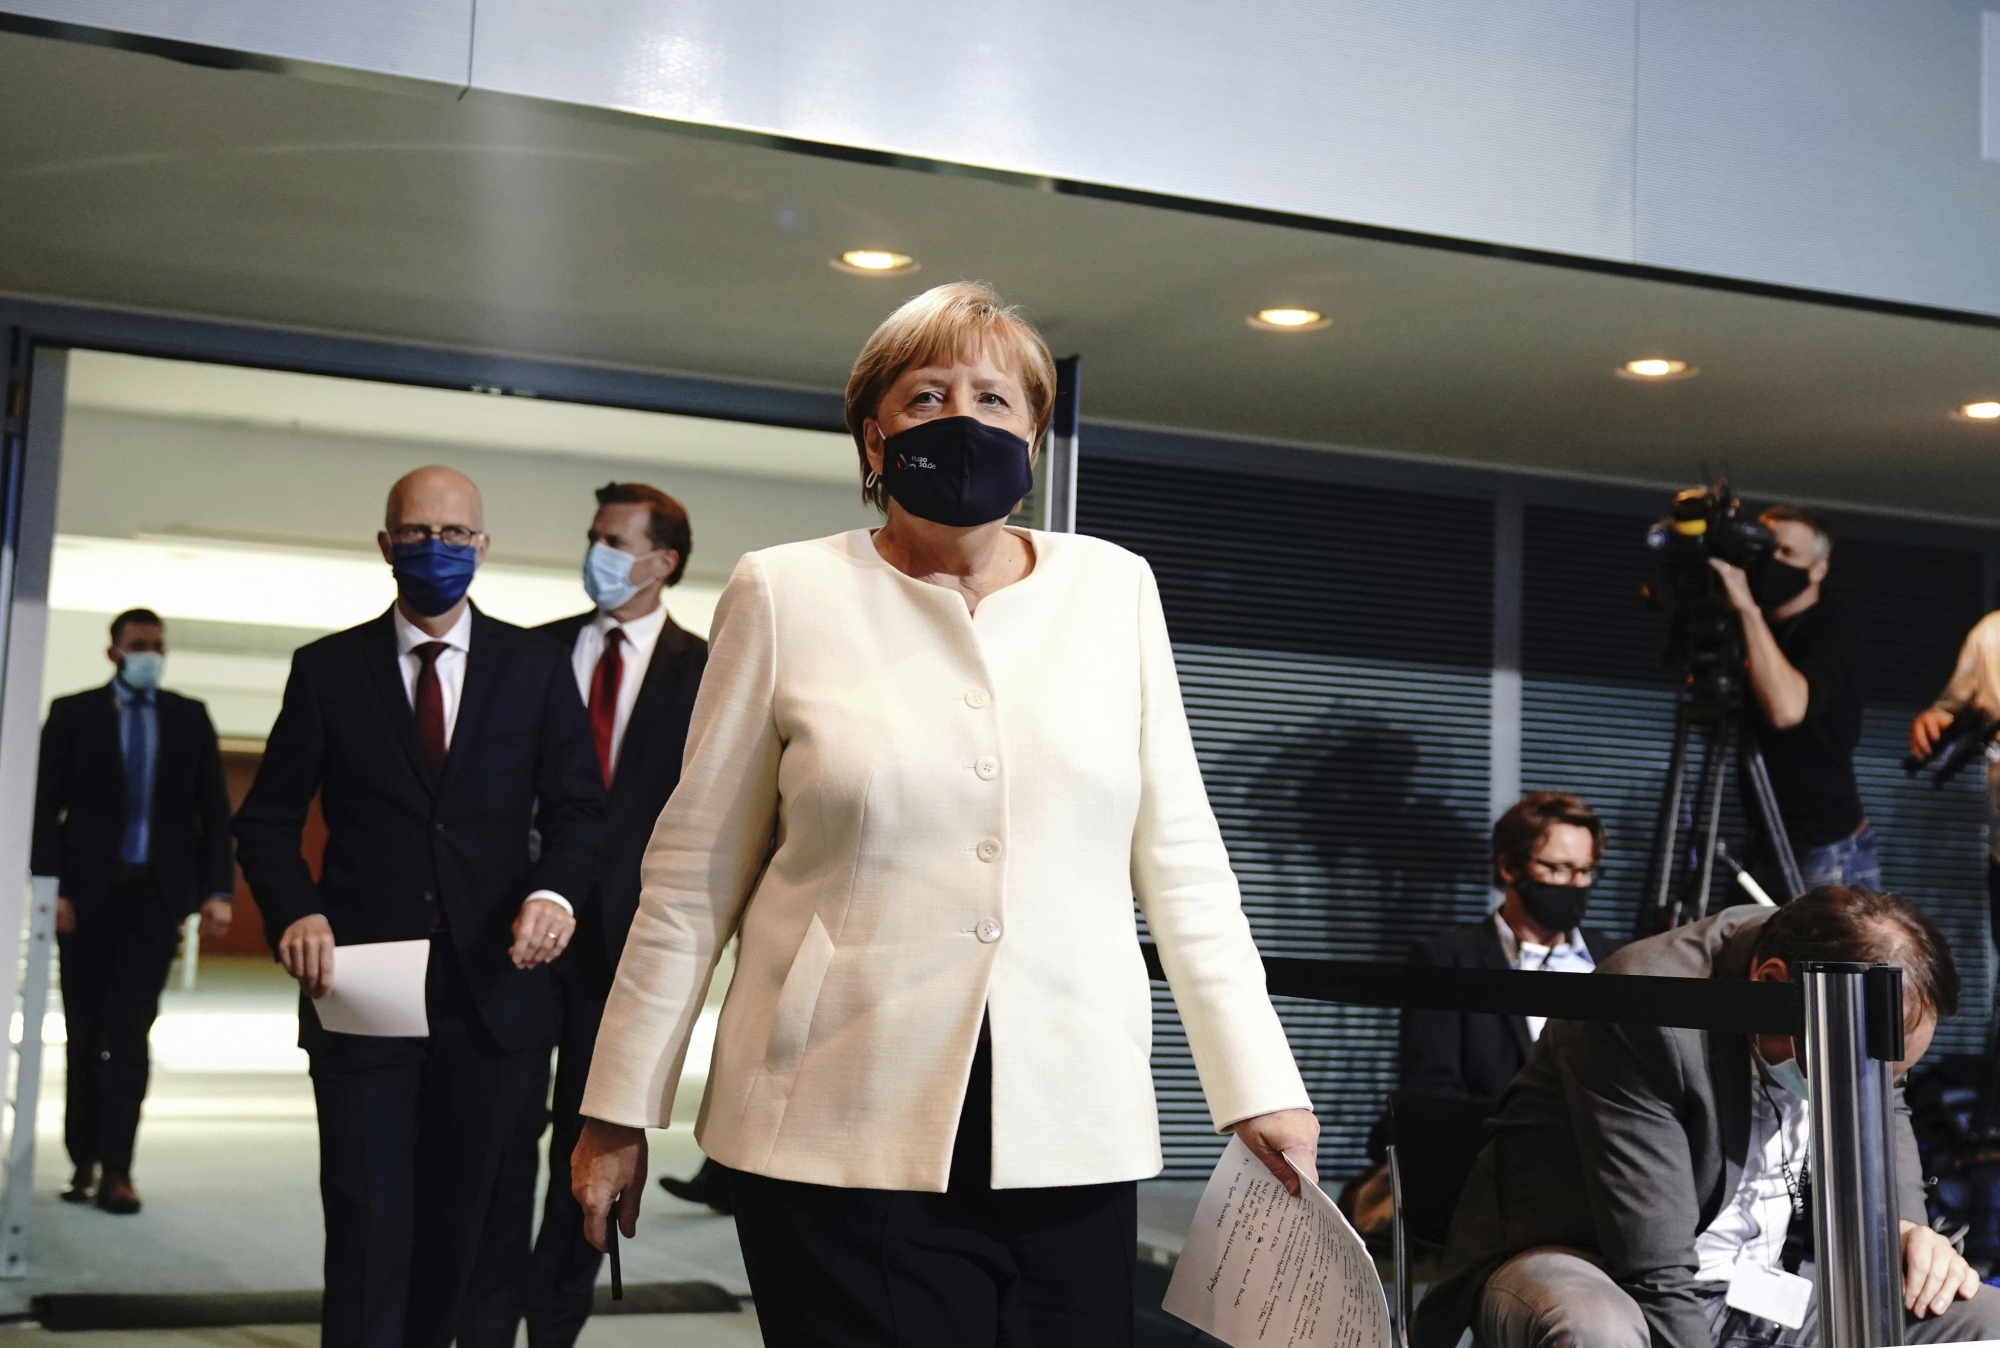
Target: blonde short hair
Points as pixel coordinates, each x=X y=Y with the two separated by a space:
x=935 y=328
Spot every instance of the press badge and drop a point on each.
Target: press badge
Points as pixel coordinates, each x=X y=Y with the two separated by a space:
x=1770 y=1294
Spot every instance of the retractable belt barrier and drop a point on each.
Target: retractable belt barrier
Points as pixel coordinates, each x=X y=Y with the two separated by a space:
x=1630 y=999
x=1847 y=1019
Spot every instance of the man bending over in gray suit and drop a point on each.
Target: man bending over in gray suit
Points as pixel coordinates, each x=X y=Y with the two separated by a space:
x=1631 y=1170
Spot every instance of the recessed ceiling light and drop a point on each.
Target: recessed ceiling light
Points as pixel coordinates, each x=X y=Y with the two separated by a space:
x=1980 y=411
x=1652 y=369
x=1289 y=320
x=874 y=262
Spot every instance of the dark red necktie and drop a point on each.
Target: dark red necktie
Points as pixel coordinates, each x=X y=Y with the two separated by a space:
x=604 y=698
x=430 y=704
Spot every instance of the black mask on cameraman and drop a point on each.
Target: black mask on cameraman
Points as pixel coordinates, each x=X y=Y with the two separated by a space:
x=957 y=471
x=1775 y=584
x=1556 y=907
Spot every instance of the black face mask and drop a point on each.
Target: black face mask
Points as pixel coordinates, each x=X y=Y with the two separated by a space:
x=1555 y=907
x=1775 y=584
x=957 y=471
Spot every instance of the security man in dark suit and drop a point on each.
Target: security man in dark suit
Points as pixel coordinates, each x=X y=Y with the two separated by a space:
x=637 y=673
x=1546 y=848
x=437 y=739
x=132 y=816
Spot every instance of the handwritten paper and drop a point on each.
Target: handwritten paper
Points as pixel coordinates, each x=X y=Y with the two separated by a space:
x=1261 y=1267
x=378 y=989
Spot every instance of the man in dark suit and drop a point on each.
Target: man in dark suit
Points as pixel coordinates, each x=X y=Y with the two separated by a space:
x=1633 y=1170
x=1546 y=848
x=132 y=817
x=637 y=673
x=436 y=738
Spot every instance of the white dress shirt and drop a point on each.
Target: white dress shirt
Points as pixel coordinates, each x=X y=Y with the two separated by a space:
x=451 y=683
x=1752 y=1224
x=450 y=662
x=1571 y=957
x=916 y=817
x=641 y=635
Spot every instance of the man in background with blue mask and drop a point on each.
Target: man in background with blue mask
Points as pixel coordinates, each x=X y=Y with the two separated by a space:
x=132 y=817
x=1645 y=1187
x=440 y=742
x=636 y=671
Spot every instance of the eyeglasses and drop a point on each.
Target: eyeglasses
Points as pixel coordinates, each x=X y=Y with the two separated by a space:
x=1562 y=873
x=455 y=534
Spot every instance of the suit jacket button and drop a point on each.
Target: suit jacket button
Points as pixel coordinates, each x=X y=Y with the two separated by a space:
x=429 y=897
x=989 y=931
x=440 y=828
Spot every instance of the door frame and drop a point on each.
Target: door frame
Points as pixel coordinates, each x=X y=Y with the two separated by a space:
x=37 y=337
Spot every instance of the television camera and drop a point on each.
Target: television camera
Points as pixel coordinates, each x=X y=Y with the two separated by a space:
x=1705 y=644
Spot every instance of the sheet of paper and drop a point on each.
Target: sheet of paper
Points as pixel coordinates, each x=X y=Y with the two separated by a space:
x=1262 y=1267
x=378 y=989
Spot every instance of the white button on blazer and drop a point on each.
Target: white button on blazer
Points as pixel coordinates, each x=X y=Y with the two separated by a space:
x=836 y=809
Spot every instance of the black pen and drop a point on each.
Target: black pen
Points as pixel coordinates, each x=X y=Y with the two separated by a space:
x=611 y=1247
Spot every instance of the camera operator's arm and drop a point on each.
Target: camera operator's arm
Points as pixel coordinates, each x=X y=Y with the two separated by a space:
x=1781 y=690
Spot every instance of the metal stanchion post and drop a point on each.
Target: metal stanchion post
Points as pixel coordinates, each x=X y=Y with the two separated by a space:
x=1399 y=1241
x=1853 y=1038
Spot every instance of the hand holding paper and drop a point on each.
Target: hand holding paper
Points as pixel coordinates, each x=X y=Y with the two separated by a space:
x=377 y=989
x=1281 y=1140
x=1264 y=1267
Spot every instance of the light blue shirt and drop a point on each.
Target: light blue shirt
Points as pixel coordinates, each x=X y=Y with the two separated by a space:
x=1571 y=957
x=139 y=743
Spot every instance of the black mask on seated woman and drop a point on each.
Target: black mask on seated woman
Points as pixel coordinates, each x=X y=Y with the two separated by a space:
x=957 y=471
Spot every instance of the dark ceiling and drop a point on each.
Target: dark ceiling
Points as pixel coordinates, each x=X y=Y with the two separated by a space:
x=502 y=224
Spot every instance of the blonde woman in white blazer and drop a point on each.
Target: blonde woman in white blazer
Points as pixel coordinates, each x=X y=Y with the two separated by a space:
x=930 y=768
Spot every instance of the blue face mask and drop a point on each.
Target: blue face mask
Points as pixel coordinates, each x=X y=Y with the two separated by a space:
x=433 y=575
x=607 y=575
x=142 y=669
x=1788 y=1075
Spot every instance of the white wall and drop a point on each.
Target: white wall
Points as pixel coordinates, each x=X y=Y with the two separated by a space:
x=251 y=539
x=1830 y=144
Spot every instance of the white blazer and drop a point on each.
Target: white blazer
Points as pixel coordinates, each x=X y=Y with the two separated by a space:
x=914 y=816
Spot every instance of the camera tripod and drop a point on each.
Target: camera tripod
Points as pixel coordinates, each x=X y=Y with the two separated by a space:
x=1718 y=722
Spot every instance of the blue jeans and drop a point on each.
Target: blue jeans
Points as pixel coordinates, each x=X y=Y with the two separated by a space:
x=1852 y=861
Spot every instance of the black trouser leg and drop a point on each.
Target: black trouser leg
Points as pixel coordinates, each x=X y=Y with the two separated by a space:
x=471 y=1252
x=494 y=1319
x=114 y=966
x=410 y=1145
x=367 y=1092
x=563 y=1280
x=131 y=1004
x=83 y=966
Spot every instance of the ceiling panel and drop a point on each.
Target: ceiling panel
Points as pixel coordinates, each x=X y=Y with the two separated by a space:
x=505 y=224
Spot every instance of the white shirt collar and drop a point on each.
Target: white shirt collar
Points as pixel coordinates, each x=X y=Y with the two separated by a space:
x=409 y=636
x=1510 y=944
x=641 y=632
